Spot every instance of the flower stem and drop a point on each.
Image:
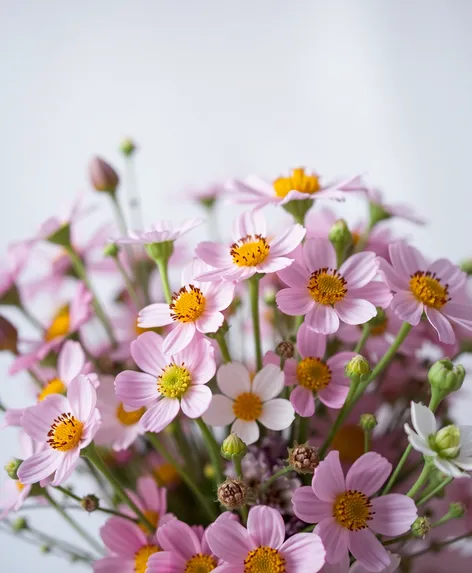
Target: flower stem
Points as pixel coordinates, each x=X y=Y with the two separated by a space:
x=239 y=474
x=254 y=297
x=213 y=449
x=367 y=436
x=92 y=454
x=420 y=481
x=435 y=491
x=162 y=265
x=303 y=430
x=275 y=477
x=159 y=447
x=221 y=340
x=363 y=339
x=129 y=285
x=439 y=546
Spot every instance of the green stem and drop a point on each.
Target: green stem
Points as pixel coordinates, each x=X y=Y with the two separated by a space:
x=221 y=340
x=367 y=434
x=398 y=469
x=70 y=520
x=162 y=265
x=397 y=539
x=445 y=518
x=239 y=473
x=276 y=476
x=32 y=319
x=435 y=491
x=303 y=430
x=92 y=454
x=213 y=449
x=129 y=285
x=159 y=447
x=439 y=546
x=100 y=481
x=420 y=481
x=120 y=218
x=363 y=339
x=254 y=298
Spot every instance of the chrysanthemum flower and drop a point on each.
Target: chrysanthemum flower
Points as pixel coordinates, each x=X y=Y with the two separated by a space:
x=433 y=288
x=160 y=232
x=261 y=547
x=151 y=500
x=245 y=403
x=327 y=295
x=450 y=448
x=64 y=426
x=183 y=551
x=297 y=185
x=129 y=546
x=313 y=375
x=346 y=514
x=196 y=307
x=181 y=380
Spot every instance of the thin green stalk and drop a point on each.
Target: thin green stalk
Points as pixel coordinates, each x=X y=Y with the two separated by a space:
x=367 y=436
x=254 y=298
x=159 y=447
x=439 y=546
x=213 y=449
x=221 y=340
x=92 y=454
x=129 y=285
x=435 y=491
x=100 y=481
x=397 y=539
x=32 y=319
x=162 y=265
x=71 y=521
x=363 y=339
x=398 y=469
x=302 y=436
x=445 y=518
x=420 y=481
x=239 y=473
x=276 y=476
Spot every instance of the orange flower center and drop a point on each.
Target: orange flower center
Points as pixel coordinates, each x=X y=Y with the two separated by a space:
x=60 y=324
x=297 y=181
x=247 y=407
x=313 y=373
x=250 y=251
x=427 y=289
x=349 y=441
x=129 y=418
x=65 y=432
x=141 y=557
x=200 y=563
x=54 y=386
x=188 y=304
x=264 y=560
x=327 y=286
x=352 y=509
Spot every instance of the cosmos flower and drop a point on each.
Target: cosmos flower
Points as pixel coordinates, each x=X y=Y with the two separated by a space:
x=160 y=232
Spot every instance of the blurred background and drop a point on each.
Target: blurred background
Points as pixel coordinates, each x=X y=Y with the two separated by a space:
x=212 y=89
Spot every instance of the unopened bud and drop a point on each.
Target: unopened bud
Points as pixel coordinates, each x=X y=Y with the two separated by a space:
x=421 y=526
x=160 y=251
x=368 y=422
x=445 y=377
x=377 y=213
x=90 y=503
x=357 y=367
x=285 y=349
x=232 y=493
x=12 y=468
x=209 y=471
x=102 y=175
x=111 y=250
x=340 y=236
x=303 y=458
x=233 y=447
x=127 y=146
x=446 y=442
x=19 y=524
x=8 y=336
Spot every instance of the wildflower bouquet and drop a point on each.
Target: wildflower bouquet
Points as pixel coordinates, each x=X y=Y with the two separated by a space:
x=276 y=409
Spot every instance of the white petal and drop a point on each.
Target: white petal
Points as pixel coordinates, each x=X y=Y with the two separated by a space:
x=268 y=382
x=247 y=431
x=277 y=414
x=423 y=420
x=220 y=412
x=233 y=379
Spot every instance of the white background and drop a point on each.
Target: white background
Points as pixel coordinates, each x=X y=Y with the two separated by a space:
x=213 y=88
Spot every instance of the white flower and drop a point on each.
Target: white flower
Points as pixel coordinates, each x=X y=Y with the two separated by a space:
x=450 y=447
x=245 y=403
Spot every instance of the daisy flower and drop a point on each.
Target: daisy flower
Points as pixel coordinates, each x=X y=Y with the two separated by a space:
x=181 y=380
x=183 y=550
x=244 y=403
x=261 y=547
x=345 y=567
x=64 y=426
x=347 y=516
x=129 y=547
x=251 y=251
x=196 y=307
x=450 y=448
x=314 y=376
x=433 y=288
x=297 y=185
x=151 y=500
x=160 y=232
x=326 y=295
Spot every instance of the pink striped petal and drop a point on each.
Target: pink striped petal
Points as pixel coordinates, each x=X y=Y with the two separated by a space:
x=71 y=361
x=376 y=292
x=229 y=541
x=286 y=242
x=266 y=526
x=213 y=254
x=294 y=301
x=441 y=325
x=219 y=295
x=170 y=538
x=157 y=314
x=334 y=395
x=448 y=273
x=39 y=466
x=273 y=265
x=164 y=562
x=303 y=553
x=310 y=343
x=406 y=260
x=160 y=415
x=122 y=537
x=113 y=565
x=66 y=466
x=328 y=481
x=250 y=223
x=82 y=397
x=392 y=277
x=209 y=321
x=268 y=382
x=322 y=319
x=196 y=401
x=393 y=514
x=407 y=308
x=303 y=401
x=319 y=254
x=308 y=507
x=368 y=473
x=136 y=389
x=147 y=352
x=368 y=550
x=295 y=275
x=360 y=269
x=334 y=538
x=179 y=337
x=355 y=311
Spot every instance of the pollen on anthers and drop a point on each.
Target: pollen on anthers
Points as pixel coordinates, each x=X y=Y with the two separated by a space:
x=188 y=304
x=65 y=433
x=250 y=251
x=327 y=286
x=353 y=509
x=427 y=288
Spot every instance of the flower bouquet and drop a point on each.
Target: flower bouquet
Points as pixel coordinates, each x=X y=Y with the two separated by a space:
x=277 y=401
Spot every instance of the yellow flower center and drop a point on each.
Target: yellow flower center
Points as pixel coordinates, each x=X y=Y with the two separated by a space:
x=313 y=373
x=355 y=237
x=174 y=381
x=141 y=557
x=188 y=304
x=427 y=289
x=327 y=286
x=129 y=418
x=379 y=329
x=65 y=432
x=152 y=517
x=19 y=486
x=250 y=251
x=200 y=564
x=264 y=560
x=298 y=181
x=352 y=509
x=247 y=407
x=349 y=442
x=54 y=386
x=60 y=324
x=165 y=474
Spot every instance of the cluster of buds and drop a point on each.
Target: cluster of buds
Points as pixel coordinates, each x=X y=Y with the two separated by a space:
x=303 y=458
x=232 y=494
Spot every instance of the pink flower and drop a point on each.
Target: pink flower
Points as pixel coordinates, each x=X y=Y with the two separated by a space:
x=261 y=546
x=63 y=426
x=433 y=288
x=346 y=515
x=196 y=307
x=345 y=567
x=327 y=295
x=129 y=547
x=169 y=382
x=249 y=402
x=251 y=252
x=399 y=210
x=297 y=185
x=160 y=232
x=13 y=265
x=151 y=500
x=313 y=375
x=184 y=551
x=69 y=214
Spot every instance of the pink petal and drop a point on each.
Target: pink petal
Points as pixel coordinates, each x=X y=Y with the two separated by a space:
x=407 y=308
x=164 y=562
x=376 y=292
x=179 y=337
x=441 y=325
x=334 y=538
x=122 y=537
x=448 y=273
x=171 y=535
x=273 y=265
x=266 y=526
x=196 y=401
x=355 y=310
x=276 y=414
x=393 y=514
x=395 y=280
x=210 y=321
x=459 y=313
x=229 y=541
x=113 y=565
x=39 y=466
x=360 y=269
x=160 y=415
x=328 y=481
x=407 y=260
x=136 y=389
x=268 y=382
x=250 y=223
x=304 y=553
x=368 y=473
x=287 y=241
x=294 y=301
x=334 y=395
x=71 y=361
x=82 y=397
x=290 y=370
x=220 y=411
x=37 y=420
x=219 y=296
x=308 y=507
x=213 y=254
x=147 y=352
x=322 y=319
x=247 y=431
x=66 y=466
x=368 y=550
x=295 y=276
x=199 y=356
x=303 y=401
x=157 y=314
x=233 y=379
x=318 y=254
x=310 y=343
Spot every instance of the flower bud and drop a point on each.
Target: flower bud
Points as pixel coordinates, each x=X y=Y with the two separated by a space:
x=446 y=442
x=233 y=447
x=19 y=524
x=421 y=526
x=457 y=510
x=232 y=493
x=61 y=236
x=303 y=458
x=102 y=175
x=160 y=251
x=8 y=336
x=368 y=422
x=357 y=367
x=340 y=236
x=12 y=468
x=445 y=378
x=45 y=549
x=377 y=213
x=111 y=250
x=90 y=503
x=285 y=349
x=209 y=471
x=127 y=146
